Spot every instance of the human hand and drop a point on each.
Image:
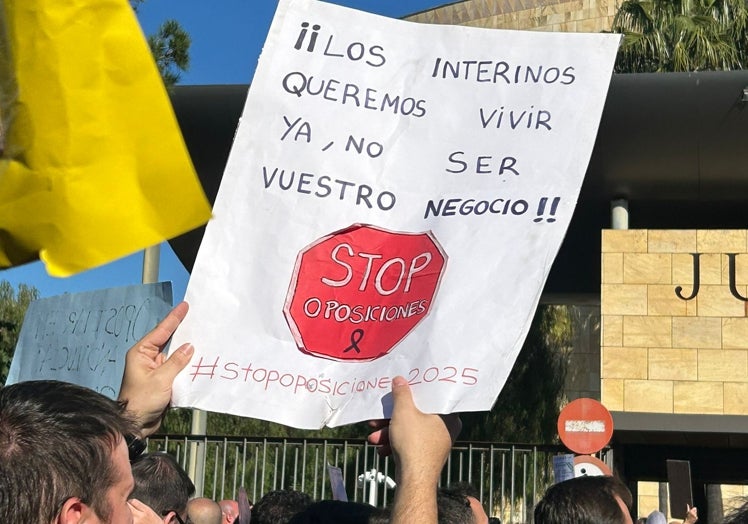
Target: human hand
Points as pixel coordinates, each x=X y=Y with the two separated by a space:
x=143 y=514
x=692 y=515
x=148 y=377
x=419 y=442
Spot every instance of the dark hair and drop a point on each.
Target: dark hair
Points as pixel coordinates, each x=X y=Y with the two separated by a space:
x=381 y=516
x=279 y=506
x=583 y=500
x=738 y=515
x=453 y=506
x=56 y=442
x=464 y=488
x=340 y=512
x=161 y=483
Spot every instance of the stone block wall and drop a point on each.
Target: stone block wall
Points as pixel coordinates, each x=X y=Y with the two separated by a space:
x=576 y=16
x=659 y=352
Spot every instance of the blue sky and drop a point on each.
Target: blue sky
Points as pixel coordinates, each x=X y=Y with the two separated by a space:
x=227 y=37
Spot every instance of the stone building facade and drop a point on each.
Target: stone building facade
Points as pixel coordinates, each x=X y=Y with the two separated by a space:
x=674 y=337
x=580 y=16
x=665 y=351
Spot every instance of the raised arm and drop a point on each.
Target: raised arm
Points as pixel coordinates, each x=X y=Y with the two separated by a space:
x=420 y=444
x=148 y=377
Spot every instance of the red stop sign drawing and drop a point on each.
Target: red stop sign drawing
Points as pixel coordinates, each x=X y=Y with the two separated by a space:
x=357 y=292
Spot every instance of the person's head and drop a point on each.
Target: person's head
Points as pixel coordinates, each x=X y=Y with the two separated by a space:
x=230 y=510
x=656 y=517
x=585 y=500
x=162 y=484
x=204 y=511
x=279 y=506
x=63 y=455
x=459 y=504
x=340 y=512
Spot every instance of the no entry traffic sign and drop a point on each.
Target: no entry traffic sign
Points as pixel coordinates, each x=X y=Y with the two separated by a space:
x=585 y=426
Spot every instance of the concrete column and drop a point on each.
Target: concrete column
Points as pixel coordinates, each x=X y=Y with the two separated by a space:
x=619 y=214
x=196 y=469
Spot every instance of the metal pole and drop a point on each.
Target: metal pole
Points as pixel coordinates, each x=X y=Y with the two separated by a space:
x=372 y=486
x=151 y=262
x=196 y=471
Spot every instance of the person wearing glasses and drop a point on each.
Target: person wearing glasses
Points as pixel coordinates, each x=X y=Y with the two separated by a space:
x=162 y=484
x=64 y=453
x=65 y=450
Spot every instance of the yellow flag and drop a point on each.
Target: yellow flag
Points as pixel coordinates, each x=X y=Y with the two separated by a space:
x=94 y=166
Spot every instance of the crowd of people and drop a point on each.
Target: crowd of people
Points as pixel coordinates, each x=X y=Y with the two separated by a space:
x=658 y=517
x=69 y=455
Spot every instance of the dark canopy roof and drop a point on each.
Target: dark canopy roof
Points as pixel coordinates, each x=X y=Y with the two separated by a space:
x=675 y=145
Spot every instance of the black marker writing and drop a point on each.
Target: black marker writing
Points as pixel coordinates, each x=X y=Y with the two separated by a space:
x=302 y=37
x=501 y=72
x=529 y=118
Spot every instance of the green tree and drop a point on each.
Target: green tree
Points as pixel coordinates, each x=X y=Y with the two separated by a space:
x=527 y=408
x=13 y=305
x=681 y=35
x=170 y=46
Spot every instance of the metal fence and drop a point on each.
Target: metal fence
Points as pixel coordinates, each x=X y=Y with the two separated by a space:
x=509 y=477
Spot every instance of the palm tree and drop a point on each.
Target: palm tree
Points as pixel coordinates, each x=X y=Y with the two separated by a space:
x=681 y=35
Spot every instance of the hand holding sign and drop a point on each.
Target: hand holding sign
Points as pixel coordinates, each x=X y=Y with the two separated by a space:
x=411 y=432
x=83 y=338
x=146 y=384
x=420 y=443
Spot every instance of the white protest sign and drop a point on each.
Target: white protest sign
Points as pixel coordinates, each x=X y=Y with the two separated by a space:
x=392 y=204
x=82 y=338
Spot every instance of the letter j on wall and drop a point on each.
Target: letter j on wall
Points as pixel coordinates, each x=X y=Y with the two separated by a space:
x=356 y=293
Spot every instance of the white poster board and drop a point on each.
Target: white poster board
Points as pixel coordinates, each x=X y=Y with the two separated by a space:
x=392 y=205
x=82 y=338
